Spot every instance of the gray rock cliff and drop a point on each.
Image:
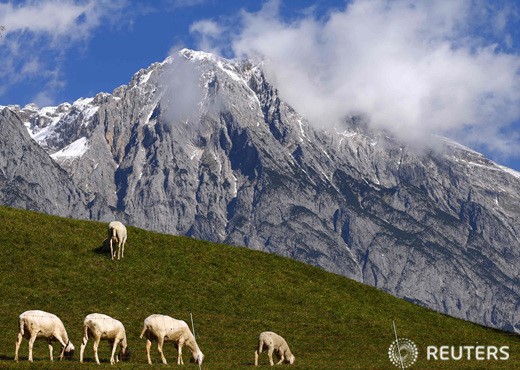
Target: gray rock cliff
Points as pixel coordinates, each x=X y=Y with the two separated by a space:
x=29 y=178
x=202 y=146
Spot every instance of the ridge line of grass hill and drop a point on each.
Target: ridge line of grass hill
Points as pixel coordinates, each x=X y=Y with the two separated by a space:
x=330 y=322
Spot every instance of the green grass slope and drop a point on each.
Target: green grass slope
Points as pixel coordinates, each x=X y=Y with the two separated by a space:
x=330 y=322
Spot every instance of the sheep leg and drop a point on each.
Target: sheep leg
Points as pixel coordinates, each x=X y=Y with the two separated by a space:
x=17 y=348
x=96 y=345
x=148 y=346
x=281 y=359
x=270 y=354
x=160 y=342
x=179 y=355
x=63 y=346
x=111 y=249
x=82 y=348
x=114 y=346
x=259 y=350
x=119 y=250
x=123 y=248
x=50 y=351
x=117 y=354
x=31 y=344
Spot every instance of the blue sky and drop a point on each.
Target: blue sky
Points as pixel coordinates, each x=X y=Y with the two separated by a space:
x=417 y=67
x=127 y=37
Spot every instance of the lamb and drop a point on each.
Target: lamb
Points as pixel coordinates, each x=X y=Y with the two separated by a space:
x=36 y=324
x=99 y=327
x=273 y=342
x=165 y=328
x=117 y=233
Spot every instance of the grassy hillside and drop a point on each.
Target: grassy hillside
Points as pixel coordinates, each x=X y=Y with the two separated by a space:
x=330 y=322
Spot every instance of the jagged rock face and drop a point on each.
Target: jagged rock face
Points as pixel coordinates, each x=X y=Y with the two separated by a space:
x=200 y=146
x=29 y=178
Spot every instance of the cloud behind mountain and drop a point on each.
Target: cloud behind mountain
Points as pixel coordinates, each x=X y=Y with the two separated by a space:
x=412 y=67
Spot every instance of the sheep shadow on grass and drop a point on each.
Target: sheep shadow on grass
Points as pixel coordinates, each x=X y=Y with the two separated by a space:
x=103 y=249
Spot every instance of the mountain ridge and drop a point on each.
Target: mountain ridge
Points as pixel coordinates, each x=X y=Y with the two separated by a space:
x=437 y=227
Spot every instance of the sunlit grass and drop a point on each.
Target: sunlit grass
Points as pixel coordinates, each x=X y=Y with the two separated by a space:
x=330 y=322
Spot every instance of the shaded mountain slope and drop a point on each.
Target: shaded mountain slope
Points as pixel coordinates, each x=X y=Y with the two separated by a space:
x=438 y=227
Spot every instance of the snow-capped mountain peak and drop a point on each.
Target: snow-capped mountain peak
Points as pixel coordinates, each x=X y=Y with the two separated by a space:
x=203 y=146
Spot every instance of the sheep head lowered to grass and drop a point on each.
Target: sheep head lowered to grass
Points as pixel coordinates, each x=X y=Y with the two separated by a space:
x=36 y=324
x=164 y=328
x=273 y=343
x=100 y=326
x=117 y=234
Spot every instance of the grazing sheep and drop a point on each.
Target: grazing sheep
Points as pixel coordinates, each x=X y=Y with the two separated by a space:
x=273 y=342
x=99 y=327
x=117 y=234
x=37 y=324
x=167 y=329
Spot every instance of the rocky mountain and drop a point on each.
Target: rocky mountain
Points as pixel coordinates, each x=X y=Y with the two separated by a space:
x=29 y=178
x=205 y=147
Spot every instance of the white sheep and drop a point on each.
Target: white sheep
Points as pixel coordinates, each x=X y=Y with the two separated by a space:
x=99 y=326
x=273 y=342
x=117 y=233
x=36 y=324
x=167 y=329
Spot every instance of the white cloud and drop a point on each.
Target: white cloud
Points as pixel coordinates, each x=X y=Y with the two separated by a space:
x=43 y=100
x=59 y=19
x=39 y=33
x=183 y=91
x=30 y=67
x=206 y=27
x=415 y=67
x=186 y=3
x=209 y=34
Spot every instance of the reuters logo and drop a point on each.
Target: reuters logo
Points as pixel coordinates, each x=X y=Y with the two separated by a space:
x=403 y=353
